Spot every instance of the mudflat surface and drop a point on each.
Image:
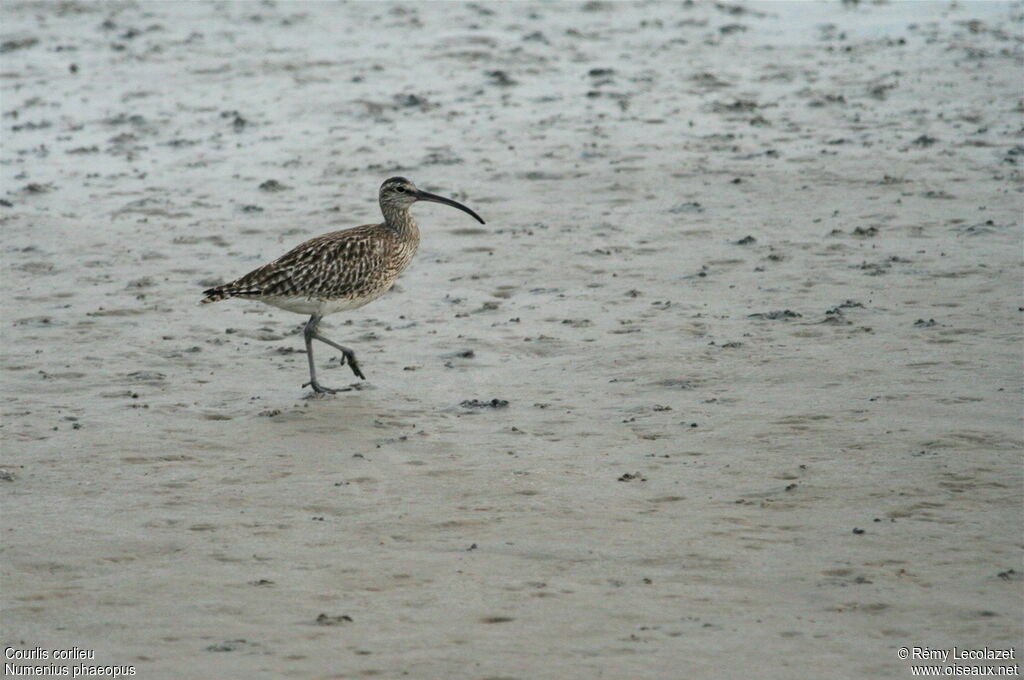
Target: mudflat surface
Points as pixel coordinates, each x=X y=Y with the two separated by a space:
x=750 y=287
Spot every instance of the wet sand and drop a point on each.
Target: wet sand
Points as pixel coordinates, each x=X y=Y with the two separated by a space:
x=750 y=286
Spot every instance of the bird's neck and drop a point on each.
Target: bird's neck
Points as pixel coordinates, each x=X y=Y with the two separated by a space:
x=400 y=220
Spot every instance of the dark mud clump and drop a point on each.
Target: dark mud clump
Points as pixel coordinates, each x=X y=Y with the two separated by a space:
x=273 y=185
x=777 y=315
x=476 y=403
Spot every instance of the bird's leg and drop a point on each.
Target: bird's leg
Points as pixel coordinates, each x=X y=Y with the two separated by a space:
x=309 y=333
x=349 y=355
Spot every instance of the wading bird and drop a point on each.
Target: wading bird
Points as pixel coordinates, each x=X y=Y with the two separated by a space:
x=341 y=270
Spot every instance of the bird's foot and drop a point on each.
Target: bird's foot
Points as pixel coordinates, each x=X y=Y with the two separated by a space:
x=320 y=389
x=350 y=357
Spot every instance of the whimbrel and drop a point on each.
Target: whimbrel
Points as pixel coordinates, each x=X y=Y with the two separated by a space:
x=341 y=270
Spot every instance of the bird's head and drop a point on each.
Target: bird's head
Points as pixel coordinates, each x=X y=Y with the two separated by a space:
x=400 y=193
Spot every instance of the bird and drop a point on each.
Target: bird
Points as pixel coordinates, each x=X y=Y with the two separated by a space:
x=339 y=271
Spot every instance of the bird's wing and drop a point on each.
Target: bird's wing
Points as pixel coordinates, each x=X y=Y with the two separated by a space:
x=339 y=264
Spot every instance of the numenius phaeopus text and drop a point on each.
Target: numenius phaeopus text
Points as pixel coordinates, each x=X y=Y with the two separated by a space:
x=339 y=271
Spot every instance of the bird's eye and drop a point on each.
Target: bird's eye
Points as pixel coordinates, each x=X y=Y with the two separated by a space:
x=400 y=190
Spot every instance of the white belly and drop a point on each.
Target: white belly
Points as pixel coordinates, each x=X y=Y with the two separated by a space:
x=304 y=305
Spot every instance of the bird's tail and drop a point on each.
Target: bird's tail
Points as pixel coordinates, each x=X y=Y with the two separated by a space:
x=218 y=293
x=229 y=290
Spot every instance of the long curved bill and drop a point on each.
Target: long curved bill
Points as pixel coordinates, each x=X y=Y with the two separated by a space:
x=426 y=196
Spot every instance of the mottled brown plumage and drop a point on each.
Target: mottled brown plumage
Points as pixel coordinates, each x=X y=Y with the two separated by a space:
x=335 y=268
x=341 y=270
